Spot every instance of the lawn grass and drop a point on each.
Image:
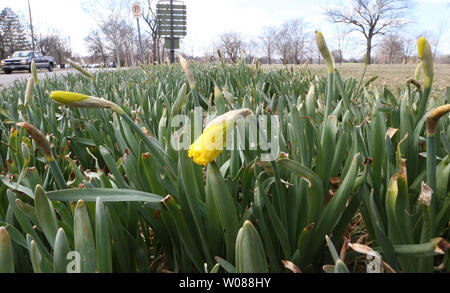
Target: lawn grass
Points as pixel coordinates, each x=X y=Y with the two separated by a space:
x=392 y=75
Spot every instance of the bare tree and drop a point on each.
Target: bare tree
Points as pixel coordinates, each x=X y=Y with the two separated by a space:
x=251 y=49
x=54 y=45
x=112 y=18
x=291 y=41
x=297 y=38
x=112 y=28
x=390 y=50
x=149 y=17
x=283 y=43
x=45 y=42
x=97 y=45
x=409 y=47
x=342 y=42
x=268 y=41
x=337 y=56
x=371 y=18
x=231 y=44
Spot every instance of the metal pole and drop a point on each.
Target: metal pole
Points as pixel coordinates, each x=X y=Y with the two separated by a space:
x=140 y=40
x=172 y=36
x=31 y=25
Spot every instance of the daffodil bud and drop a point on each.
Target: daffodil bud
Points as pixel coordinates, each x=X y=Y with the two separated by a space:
x=220 y=55
x=13 y=137
x=187 y=71
x=29 y=90
x=82 y=101
x=414 y=82
x=426 y=56
x=40 y=139
x=25 y=154
x=323 y=48
x=81 y=69
x=434 y=116
x=34 y=72
x=6 y=252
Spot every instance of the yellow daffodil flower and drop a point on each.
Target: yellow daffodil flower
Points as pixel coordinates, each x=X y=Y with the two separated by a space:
x=212 y=142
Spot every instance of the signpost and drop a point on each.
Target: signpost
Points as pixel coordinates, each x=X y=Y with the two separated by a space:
x=171 y=24
x=137 y=13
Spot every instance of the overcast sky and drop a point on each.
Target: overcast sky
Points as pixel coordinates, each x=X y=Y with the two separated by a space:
x=209 y=18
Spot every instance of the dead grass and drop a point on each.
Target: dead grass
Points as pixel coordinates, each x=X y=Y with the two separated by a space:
x=394 y=76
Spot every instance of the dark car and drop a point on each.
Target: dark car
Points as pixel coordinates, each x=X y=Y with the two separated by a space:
x=21 y=60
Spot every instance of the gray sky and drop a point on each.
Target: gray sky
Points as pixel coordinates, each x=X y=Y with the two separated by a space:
x=209 y=18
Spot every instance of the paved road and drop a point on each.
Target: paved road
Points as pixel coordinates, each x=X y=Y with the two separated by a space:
x=7 y=80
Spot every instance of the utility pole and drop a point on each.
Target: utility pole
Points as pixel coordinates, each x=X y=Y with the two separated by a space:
x=140 y=41
x=31 y=25
x=137 y=12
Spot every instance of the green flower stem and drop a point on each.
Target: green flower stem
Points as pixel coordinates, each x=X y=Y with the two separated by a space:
x=330 y=95
x=195 y=96
x=425 y=264
x=431 y=170
x=423 y=103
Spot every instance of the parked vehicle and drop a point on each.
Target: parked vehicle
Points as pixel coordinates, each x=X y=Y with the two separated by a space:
x=112 y=64
x=21 y=60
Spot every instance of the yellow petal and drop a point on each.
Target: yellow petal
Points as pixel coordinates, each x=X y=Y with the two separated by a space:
x=426 y=56
x=83 y=101
x=421 y=46
x=212 y=142
x=67 y=97
x=209 y=145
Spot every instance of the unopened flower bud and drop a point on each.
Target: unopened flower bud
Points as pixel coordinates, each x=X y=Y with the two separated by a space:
x=82 y=101
x=426 y=56
x=323 y=48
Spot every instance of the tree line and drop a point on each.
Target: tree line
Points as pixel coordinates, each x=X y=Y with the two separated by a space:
x=380 y=23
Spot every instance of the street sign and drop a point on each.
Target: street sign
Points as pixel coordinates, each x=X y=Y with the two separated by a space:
x=137 y=10
x=167 y=6
x=171 y=24
x=176 y=43
x=168 y=34
x=175 y=23
x=170 y=11
x=169 y=18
